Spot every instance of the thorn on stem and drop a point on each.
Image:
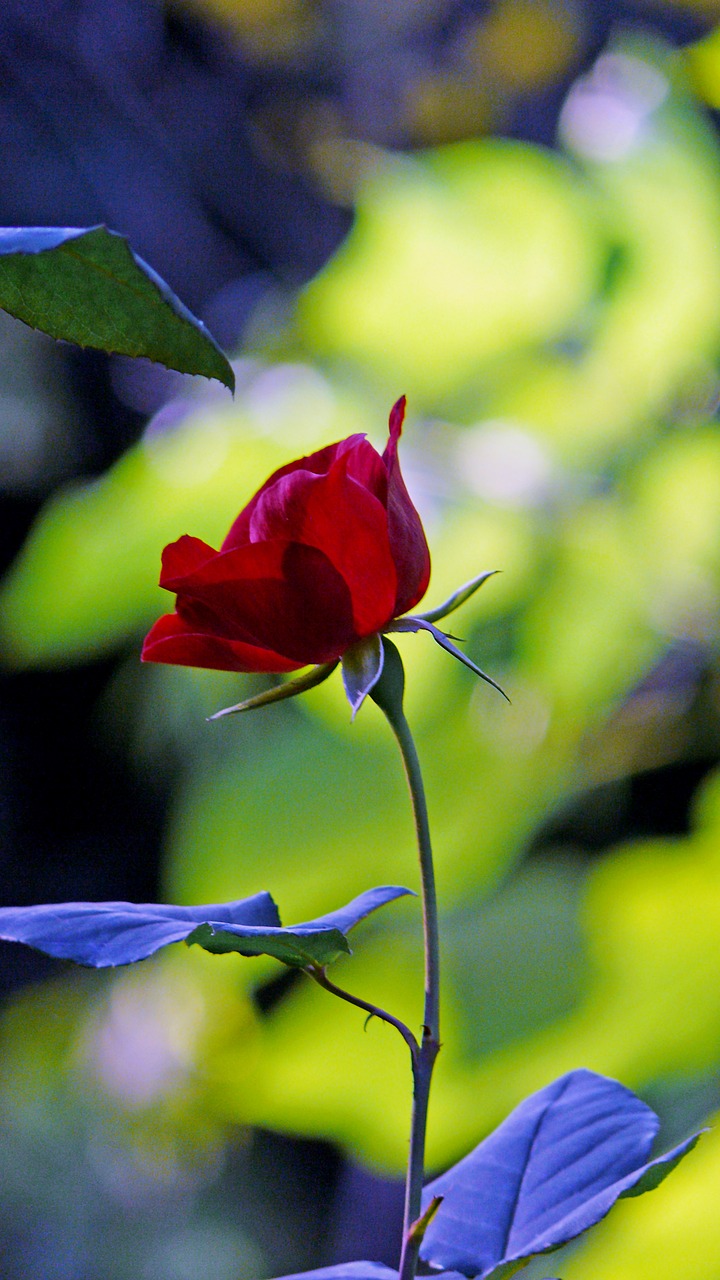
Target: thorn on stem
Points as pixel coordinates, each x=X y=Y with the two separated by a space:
x=420 y=1225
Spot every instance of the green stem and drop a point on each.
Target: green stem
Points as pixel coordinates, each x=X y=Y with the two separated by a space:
x=431 y=1018
x=388 y=695
x=430 y=1043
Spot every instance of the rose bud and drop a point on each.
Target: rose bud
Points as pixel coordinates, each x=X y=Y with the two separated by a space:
x=327 y=555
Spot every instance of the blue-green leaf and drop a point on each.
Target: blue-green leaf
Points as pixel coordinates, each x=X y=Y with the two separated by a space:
x=347 y=1271
x=550 y=1171
x=111 y=933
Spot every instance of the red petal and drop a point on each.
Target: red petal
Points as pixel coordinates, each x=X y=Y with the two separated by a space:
x=170 y=640
x=407 y=538
x=183 y=557
x=395 y=422
x=317 y=463
x=347 y=523
x=277 y=595
x=364 y=464
x=219 y=567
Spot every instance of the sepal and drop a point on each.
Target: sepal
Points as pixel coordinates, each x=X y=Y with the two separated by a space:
x=418 y=623
x=278 y=693
x=389 y=691
x=362 y=666
x=457 y=598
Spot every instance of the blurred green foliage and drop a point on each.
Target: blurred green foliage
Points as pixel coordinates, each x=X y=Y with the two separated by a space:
x=555 y=321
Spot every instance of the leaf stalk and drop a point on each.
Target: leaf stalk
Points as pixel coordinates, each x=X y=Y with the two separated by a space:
x=372 y=1010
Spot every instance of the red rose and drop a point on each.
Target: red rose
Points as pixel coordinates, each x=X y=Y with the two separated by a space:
x=329 y=551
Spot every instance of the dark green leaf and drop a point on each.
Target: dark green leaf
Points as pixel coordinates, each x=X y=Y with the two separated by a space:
x=88 y=287
x=318 y=942
x=295 y=949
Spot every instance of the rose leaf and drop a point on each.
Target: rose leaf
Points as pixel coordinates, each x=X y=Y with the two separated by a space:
x=87 y=286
